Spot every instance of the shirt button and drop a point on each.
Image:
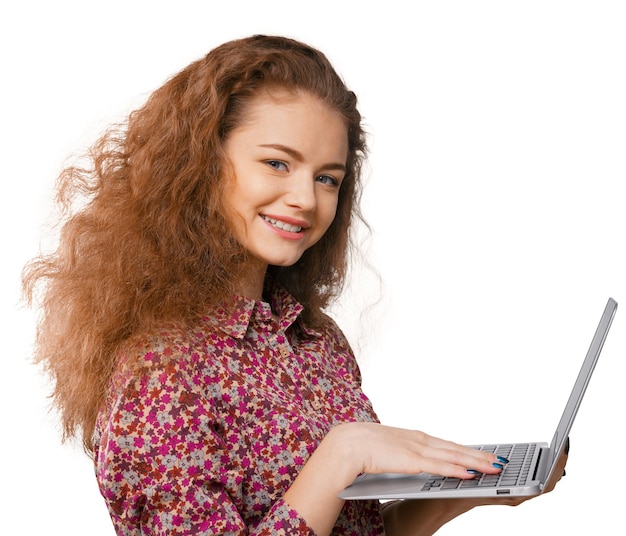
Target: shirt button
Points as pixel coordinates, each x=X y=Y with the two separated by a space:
x=285 y=352
x=316 y=404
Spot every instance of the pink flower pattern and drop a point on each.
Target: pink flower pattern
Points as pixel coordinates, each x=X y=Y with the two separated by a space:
x=202 y=431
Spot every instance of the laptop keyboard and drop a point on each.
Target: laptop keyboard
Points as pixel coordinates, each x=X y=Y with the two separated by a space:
x=515 y=473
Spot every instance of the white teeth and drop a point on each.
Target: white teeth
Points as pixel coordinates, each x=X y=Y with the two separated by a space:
x=282 y=225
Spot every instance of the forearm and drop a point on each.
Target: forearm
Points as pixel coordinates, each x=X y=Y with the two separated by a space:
x=422 y=517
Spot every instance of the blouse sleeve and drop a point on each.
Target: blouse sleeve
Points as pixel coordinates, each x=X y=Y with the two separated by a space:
x=164 y=468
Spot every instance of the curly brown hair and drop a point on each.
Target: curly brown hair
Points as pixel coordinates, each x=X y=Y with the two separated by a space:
x=145 y=236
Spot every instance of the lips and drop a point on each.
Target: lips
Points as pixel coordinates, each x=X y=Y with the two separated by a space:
x=282 y=225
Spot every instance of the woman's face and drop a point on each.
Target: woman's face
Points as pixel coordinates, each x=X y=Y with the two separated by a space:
x=289 y=158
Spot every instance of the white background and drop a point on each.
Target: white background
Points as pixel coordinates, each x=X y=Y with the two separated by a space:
x=494 y=192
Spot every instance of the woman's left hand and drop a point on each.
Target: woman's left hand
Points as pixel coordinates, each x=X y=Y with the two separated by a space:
x=421 y=517
x=558 y=473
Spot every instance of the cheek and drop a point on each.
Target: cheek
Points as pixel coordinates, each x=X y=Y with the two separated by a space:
x=332 y=209
x=327 y=215
x=237 y=203
x=244 y=197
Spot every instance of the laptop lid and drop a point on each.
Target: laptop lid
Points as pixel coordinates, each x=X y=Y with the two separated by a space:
x=557 y=446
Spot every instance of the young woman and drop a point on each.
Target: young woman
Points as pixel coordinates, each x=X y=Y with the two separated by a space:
x=184 y=321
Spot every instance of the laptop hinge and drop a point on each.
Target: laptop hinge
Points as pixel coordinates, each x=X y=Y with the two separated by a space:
x=540 y=469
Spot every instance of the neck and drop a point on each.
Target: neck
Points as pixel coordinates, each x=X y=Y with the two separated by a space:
x=250 y=281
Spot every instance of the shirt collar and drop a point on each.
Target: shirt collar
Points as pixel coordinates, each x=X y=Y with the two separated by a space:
x=235 y=315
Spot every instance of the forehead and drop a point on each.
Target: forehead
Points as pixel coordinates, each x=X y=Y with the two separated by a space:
x=293 y=118
x=269 y=98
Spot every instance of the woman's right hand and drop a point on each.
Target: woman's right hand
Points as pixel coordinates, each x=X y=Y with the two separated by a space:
x=354 y=448
x=374 y=448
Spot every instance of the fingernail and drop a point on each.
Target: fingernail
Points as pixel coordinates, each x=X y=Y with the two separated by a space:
x=502 y=459
x=472 y=472
x=498 y=465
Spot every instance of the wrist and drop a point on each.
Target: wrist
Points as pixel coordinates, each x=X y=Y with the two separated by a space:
x=341 y=448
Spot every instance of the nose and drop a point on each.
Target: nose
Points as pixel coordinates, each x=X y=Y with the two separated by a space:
x=301 y=192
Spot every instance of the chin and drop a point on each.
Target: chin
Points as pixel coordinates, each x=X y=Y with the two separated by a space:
x=284 y=264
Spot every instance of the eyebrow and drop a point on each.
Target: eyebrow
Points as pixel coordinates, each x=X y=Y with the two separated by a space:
x=297 y=155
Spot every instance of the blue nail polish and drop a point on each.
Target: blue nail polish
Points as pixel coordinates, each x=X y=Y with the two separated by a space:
x=502 y=459
x=472 y=472
x=498 y=465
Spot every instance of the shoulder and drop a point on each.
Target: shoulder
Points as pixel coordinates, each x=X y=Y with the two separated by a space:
x=328 y=329
x=169 y=350
x=336 y=346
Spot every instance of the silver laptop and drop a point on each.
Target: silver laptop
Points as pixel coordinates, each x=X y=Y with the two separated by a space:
x=530 y=464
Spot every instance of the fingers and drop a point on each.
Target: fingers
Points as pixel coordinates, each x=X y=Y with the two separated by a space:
x=450 y=459
x=375 y=448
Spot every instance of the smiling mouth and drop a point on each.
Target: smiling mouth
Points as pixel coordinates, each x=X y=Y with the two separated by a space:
x=282 y=225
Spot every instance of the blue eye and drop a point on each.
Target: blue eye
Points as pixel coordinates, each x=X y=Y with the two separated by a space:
x=327 y=179
x=277 y=165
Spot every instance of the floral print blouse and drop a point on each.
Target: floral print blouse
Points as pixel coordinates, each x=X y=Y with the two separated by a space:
x=204 y=430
